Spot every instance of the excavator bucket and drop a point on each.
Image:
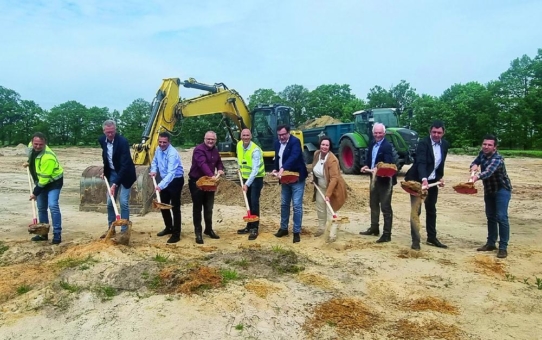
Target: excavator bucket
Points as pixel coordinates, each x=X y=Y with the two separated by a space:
x=93 y=191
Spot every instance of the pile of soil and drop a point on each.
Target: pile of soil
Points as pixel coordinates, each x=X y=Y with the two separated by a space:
x=318 y=122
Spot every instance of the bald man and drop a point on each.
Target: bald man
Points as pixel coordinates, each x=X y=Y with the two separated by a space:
x=251 y=166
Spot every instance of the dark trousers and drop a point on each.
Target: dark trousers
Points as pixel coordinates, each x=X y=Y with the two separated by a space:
x=380 y=199
x=172 y=195
x=201 y=199
x=253 y=195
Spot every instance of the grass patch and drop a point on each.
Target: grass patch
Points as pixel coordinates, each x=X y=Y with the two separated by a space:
x=243 y=263
x=286 y=262
x=23 y=289
x=229 y=275
x=3 y=248
x=278 y=249
x=69 y=287
x=161 y=258
x=239 y=327
x=71 y=262
x=106 y=292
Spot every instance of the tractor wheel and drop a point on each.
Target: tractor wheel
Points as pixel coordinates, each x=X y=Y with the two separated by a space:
x=349 y=157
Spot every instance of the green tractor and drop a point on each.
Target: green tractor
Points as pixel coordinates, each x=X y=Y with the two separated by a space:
x=352 y=148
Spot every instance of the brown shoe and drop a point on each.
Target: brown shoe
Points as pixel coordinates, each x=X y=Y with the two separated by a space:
x=487 y=247
x=502 y=253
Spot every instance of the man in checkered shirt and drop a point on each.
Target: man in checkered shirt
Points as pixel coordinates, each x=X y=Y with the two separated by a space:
x=497 y=193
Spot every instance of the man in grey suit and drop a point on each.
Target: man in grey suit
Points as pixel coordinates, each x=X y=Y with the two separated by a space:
x=429 y=168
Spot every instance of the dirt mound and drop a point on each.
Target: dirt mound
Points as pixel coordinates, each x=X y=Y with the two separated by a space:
x=261 y=288
x=317 y=122
x=346 y=315
x=431 y=303
x=405 y=329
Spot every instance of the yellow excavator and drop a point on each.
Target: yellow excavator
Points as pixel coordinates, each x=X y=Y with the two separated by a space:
x=167 y=109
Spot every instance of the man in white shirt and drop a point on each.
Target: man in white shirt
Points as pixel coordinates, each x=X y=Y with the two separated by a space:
x=429 y=168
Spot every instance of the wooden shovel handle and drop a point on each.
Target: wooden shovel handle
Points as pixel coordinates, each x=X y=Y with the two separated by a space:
x=32 y=202
x=327 y=203
x=244 y=193
x=157 y=192
x=431 y=185
x=112 y=198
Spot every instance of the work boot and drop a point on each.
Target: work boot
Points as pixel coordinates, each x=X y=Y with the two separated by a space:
x=166 y=231
x=211 y=234
x=487 y=247
x=371 y=232
x=38 y=238
x=384 y=238
x=415 y=246
x=502 y=253
x=199 y=238
x=56 y=239
x=297 y=238
x=174 y=239
x=253 y=234
x=282 y=232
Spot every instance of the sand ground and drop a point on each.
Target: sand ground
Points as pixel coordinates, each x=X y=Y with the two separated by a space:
x=270 y=288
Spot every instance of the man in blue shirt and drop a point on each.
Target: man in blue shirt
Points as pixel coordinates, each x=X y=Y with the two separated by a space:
x=167 y=164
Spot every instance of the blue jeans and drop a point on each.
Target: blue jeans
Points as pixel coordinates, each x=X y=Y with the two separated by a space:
x=49 y=199
x=497 y=214
x=124 y=201
x=292 y=193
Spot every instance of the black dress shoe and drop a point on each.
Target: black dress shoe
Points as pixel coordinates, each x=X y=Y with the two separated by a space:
x=370 y=232
x=211 y=234
x=164 y=232
x=415 y=246
x=384 y=238
x=38 y=238
x=502 y=253
x=199 y=239
x=436 y=243
x=297 y=238
x=487 y=247
x=243 y=231
x=253 y=234
x=281 y=233
x=174 y=239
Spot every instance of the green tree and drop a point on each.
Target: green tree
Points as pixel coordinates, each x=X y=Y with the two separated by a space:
x=66 y=123
x=330 y=100
x=296 y=96
x=263 y=96
x=134 y=119
x=10 y=114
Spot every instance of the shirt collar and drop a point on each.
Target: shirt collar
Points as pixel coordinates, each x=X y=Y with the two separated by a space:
x=110 y=142
x=285 y=142
x=435 y=143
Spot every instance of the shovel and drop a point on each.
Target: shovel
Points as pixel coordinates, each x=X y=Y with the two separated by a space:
x=386 y=170
x=335 y=221
x=35 y=227
x=466 y=188
x=157 y=203
x=117 y=215
x=249 y=217
x=415 y=188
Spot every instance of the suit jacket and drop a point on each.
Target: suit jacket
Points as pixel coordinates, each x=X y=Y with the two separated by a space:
x=122 y=161
x=425 y=161
x=292 y=158
x=336 y=186
x=385 y=154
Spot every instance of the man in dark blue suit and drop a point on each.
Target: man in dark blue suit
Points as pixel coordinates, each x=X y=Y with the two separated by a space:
x=289 y=157
x=381 y=190
x=119 y=170
x=428 y=168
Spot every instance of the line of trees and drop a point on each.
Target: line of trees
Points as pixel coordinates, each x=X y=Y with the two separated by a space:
x=510 y=107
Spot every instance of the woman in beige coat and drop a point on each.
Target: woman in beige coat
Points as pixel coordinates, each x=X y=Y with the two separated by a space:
x=327 y=176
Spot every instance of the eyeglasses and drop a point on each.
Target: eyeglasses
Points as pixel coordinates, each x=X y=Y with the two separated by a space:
x=283 y=134
x=210 y=138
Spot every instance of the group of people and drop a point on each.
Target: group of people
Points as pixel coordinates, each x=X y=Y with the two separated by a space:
x=330 y=187
x=428 y=168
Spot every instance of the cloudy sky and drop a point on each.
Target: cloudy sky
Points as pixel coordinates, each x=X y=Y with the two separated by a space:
x=109 y=53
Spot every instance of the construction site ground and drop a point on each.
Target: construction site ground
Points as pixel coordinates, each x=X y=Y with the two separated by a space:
x=270 y=288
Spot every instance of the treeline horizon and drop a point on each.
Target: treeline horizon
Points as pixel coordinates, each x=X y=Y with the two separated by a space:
x=509 y=107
